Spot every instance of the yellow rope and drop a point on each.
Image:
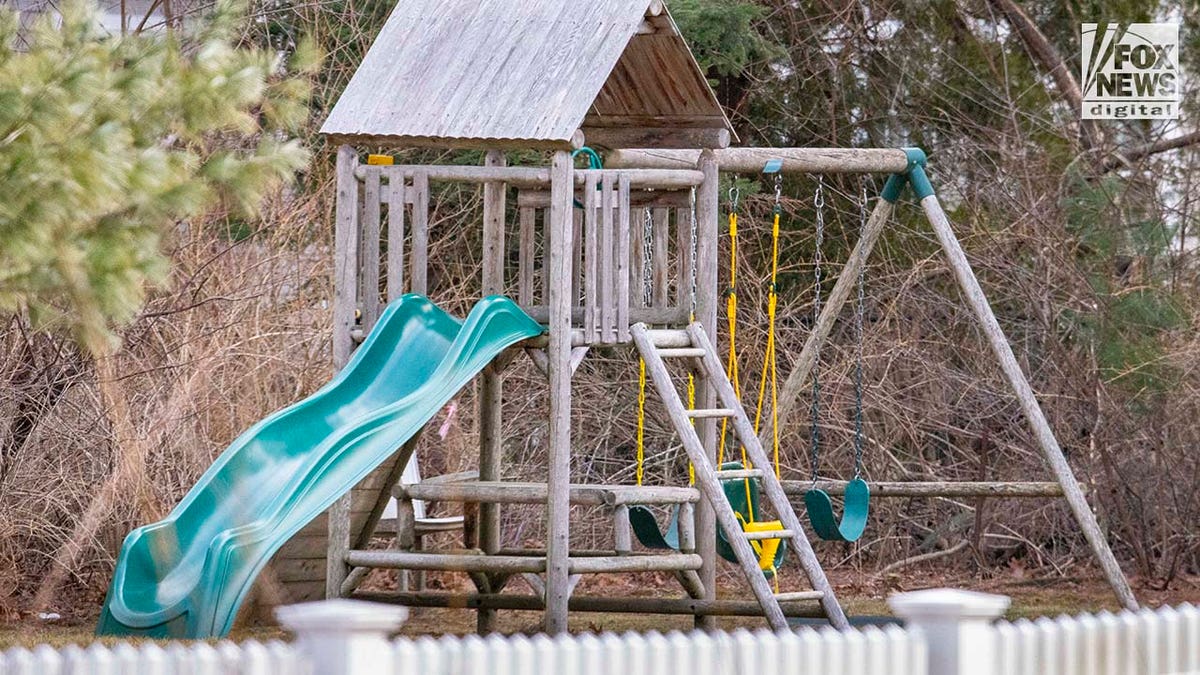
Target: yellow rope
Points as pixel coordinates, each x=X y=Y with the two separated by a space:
x=769 y=361
x=641 y=421
x=731 y=365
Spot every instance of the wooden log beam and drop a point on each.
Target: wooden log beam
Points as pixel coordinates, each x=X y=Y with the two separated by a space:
x=506 y=492
x=641 y=179
x=752 y=160
x=999 y=489
x=444 y=562
x=647 y=315
x=635 y=563
x=585 y=603
x=657 y=137
x=535 y=177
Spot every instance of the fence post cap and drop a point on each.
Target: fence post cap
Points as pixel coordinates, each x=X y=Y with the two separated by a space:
x=948 y=603
x=341 y=616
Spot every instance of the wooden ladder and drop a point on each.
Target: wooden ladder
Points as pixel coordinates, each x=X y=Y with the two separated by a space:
x=708 y=479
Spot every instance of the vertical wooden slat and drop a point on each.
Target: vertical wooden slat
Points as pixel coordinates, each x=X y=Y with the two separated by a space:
x=607 y=281
x=491 y=387
x=525 y=257
x=683 y=228
x=370 y=249
x=637 y=259
x=546 y=255
x=346 y=249
x=623 y=225
x=576 y=260
x=420 y=234
x=659 y=257
x=590 y=262
x=395 y=236
x=558 y=355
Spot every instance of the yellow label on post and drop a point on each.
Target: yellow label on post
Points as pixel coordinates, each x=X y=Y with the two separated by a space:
x=380 y=160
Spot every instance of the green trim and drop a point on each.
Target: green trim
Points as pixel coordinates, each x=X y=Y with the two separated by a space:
x=893 y=187
x=914 y=175
x=593 y=157
x=920 y=182
x=916 y=157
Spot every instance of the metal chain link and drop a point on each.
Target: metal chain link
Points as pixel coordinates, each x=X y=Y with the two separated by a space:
x=692 y=294
x=815 y=441
x=858 y=334
x=647 y=255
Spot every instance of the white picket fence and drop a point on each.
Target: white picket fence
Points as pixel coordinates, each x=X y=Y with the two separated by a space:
x=948 y=633
x=1154 y=642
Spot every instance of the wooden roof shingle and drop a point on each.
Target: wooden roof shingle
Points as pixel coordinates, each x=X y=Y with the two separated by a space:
x=523 y=73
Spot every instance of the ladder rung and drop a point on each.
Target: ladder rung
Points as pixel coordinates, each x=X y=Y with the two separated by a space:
x=769 y=534
x=799 y=595
x=665 y=337
x=681 y=353
x=705 y=413
x=735 y=474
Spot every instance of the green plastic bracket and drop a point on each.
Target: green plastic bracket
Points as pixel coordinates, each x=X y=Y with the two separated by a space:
x=920 y=182
x=913 y=175
x=893 y=187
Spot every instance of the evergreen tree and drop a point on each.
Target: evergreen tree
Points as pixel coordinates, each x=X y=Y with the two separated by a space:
x=106 y=143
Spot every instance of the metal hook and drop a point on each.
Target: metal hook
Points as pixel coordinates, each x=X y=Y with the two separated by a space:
x=734 y=195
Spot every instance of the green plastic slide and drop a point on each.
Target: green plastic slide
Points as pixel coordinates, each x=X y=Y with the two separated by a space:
x=186 y=576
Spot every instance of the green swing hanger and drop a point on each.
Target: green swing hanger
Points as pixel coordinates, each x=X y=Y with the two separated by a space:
x=593 y=161
x=856 y=505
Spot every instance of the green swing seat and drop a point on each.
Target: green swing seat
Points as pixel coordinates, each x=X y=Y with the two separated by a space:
x=645 y=528
x=744 y=503
x=855 y=510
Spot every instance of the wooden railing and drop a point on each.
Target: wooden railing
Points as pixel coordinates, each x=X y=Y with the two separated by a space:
x=633 y=254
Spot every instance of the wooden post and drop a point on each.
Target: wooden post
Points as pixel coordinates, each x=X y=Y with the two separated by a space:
x=796 y=380
x=491 y=383
x=345 y=300
x=707 y=296
x=622 y=539
x=558 y=354
x=1029 y=404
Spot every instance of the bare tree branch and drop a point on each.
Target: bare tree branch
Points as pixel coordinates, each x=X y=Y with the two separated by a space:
x=1039 y=47
x=1135 y=155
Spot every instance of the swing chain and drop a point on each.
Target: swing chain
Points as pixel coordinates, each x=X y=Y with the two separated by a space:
x=694 y=247
x=647 y=254
x=779 y=192
x=815 y=441
x=859 y=310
